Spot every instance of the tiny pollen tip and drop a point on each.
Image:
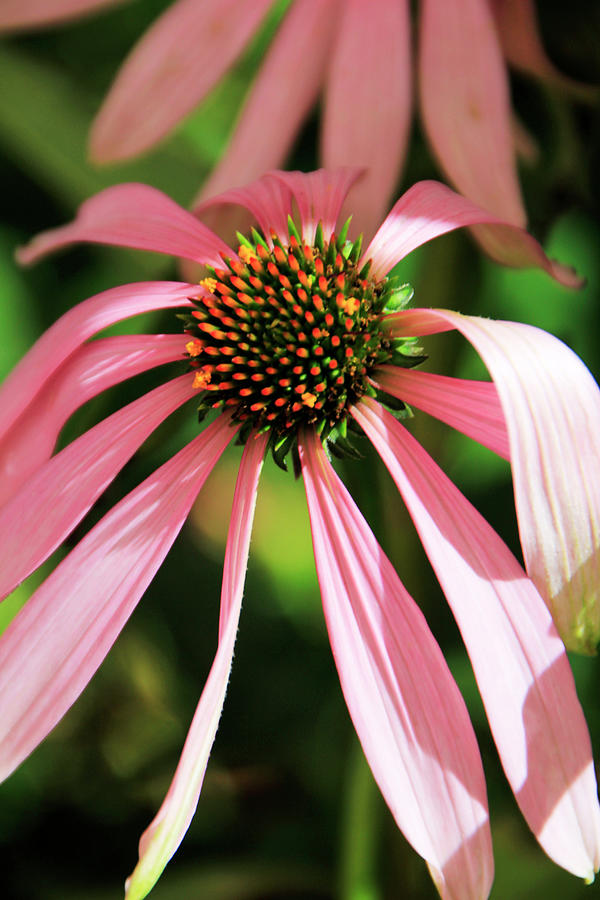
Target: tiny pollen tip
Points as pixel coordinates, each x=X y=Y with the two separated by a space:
x=194 y=347
x=202 y=378
x=209 y=283
x=246 y=254
x=309 y=399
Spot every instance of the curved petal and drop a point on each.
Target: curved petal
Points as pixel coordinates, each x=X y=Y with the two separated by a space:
x=47 y=355
x=163 y=836
x=551 y=405
x=88 y=371
x=429 y=209
x=466 y=106
x=518 y=658
x=54 y=645
x=406 y=708
x=517 y=25
x=268 y=200
x=271 y=117
x=367 y=103
x=59 y=493
x=20 y=14
x=319 y=196
x=471 y=407
x=132 y=215
x=172 y=68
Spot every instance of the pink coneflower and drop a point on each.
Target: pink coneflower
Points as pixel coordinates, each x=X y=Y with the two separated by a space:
x=294 y=342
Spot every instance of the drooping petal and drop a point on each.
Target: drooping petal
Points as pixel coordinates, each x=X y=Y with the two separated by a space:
x=551 y=405
x=471 y=407
x=518 y=31
x=271 y=117
x=429 y=209
x=319 y=196
x=54 y=645
x=465 y=104
x=367 y=103
x=518 y=658
x=67 y=334
x=172 y=68
x=132 y=215
x=57 y=496
x=268 y=200
x=88 y=371
x=21 y=14
x=163 y=836
x=406 y=708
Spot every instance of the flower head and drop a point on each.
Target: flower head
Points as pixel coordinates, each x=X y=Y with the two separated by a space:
x=293 y=342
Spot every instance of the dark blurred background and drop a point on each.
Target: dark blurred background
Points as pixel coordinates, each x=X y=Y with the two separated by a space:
x=288 y=809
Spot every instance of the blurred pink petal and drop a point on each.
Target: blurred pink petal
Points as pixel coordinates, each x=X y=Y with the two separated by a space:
x=88 y=371
x=55 y=644
x=518 y=658
x=429 y=209
x=174 y=66
x=472 y=407
x=48 y=354
x=406 y=708
x=367 y=103
x=132 y=215
x=57 y=496
x=163 y=836
x=517 y=25
x=20 y=14
x=271 y=117
x=466 y=106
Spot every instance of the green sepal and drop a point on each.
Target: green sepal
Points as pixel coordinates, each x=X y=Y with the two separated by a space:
x=280 y=449
x=356 y=249
x=343 y=235
x=258 y=238
x=342 y=448
x=398 y=298
x=292 y=230
x=244 y=242
x=319 y=239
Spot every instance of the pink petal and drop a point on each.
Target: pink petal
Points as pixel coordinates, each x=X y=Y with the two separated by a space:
x=518 y=31
x=88 y=371
x=406 y=708
x=132 y=215
x=429 y=209
x=54 y=645
x=319 y=196
x=163 y=836
x=518 y=658
x=367 y=104
x=466 y=106
x=471 y=407
x=28 y=378
x=268 y=200
x=552 y=409
x=57 y=496
x=271 y=116
x=172 y=68
x=21 y=14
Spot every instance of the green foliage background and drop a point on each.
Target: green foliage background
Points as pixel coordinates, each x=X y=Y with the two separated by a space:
x=288 y=808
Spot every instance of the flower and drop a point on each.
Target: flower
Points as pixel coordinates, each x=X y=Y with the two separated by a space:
x=293 y=342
